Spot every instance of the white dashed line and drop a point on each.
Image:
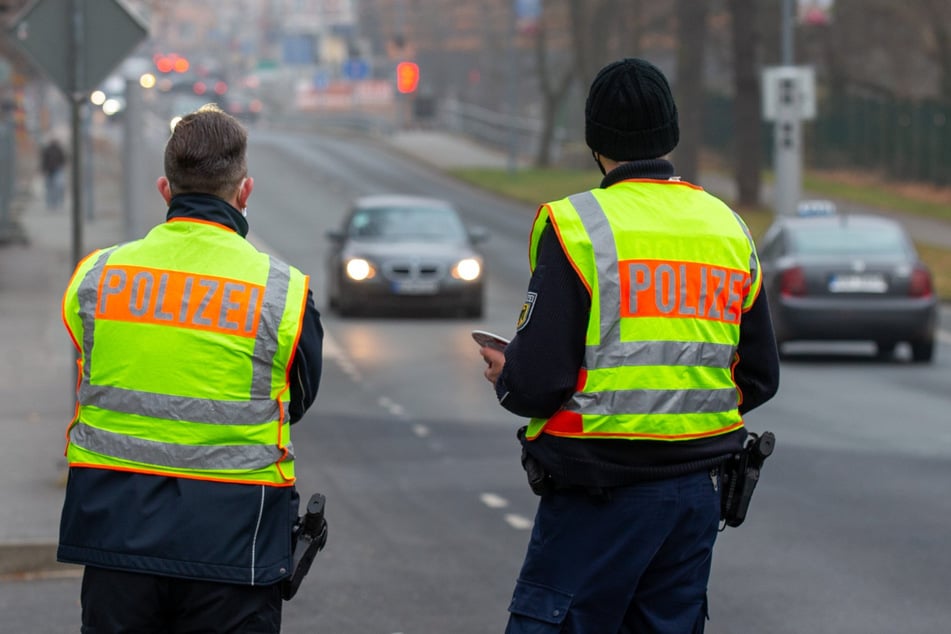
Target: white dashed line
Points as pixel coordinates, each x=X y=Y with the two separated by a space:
x=518 y=522
x=333 y=351
x=494 y=501
x=944 y=335
x=421 y=430
x=391 y=406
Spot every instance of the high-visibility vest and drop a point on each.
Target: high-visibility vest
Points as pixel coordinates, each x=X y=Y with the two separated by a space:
x=670 y=269
x=184 y=371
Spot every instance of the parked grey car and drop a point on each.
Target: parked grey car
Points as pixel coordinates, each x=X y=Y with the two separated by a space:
x=849 y=277
x=405 y=252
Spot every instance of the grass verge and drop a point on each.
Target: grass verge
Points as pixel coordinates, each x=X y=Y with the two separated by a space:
x=534 y=186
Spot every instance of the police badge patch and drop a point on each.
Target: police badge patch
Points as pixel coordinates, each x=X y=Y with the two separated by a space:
x=526 y=312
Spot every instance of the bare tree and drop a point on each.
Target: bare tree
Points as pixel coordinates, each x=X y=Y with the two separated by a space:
x=936 y=16
x=590 y=21
x=747 y=163
x=692 y=35
x=554 y=82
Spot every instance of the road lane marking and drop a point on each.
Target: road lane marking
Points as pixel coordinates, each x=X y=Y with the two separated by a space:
x=391 y=406
x=493 y=501
x=332 y=350
x=421 y=430
x=944 y=335
x=518 y=522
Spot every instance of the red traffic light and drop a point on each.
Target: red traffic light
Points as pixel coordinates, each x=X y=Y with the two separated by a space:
x=407 y=77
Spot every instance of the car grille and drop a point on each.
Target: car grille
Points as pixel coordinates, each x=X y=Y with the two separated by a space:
x=413 y=270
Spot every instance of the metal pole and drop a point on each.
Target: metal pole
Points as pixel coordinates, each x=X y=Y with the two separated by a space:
x=7 y=174
x=76 y=100
x=787 y=151
x=133 y=169
x=788 y=34
x=88 y=175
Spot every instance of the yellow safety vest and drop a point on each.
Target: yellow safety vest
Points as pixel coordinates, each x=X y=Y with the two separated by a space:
x=670 y=270
x=185 y=371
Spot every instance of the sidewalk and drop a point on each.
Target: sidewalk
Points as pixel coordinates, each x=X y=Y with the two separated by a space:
x=36 y=377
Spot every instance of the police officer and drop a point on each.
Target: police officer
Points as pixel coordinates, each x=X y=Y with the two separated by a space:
x=643 y=340
x=196 y=353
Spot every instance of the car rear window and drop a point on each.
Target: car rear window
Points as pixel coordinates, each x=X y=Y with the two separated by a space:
x=845 y=239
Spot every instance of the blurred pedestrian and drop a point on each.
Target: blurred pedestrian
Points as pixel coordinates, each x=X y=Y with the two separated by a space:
x=643 y=340
x=53 y=166
x=196 y=354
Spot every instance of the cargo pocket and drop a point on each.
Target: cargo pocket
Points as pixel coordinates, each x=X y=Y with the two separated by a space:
x=538 y=609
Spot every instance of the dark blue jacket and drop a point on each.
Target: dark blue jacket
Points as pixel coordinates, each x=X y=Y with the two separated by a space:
x=543 y=360
x=233 y=533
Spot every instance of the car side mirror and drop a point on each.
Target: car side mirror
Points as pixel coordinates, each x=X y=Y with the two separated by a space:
x=335 y=235
x=478 y=235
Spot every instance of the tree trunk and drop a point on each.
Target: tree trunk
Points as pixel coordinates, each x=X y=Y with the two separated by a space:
x=748 y=158
x=692 y=34
x=553 y=94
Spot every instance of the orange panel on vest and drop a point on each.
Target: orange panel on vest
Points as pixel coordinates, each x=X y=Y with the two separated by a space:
x=659 y=288
x=565 y=422
x=185 y=300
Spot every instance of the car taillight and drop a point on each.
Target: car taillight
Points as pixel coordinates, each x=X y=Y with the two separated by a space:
x=920 y=284
x=792 y=282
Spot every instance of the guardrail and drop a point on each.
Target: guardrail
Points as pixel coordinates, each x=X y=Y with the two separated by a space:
x=498 y=129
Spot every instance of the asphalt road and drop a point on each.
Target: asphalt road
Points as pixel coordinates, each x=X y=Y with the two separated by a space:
x=427 y=505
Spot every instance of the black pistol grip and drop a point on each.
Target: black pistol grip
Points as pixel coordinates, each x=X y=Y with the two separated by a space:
x=311 y=539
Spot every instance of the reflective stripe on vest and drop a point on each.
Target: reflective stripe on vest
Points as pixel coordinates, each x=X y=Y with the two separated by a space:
x=242 y=457
x=165 y=430
x=653 y=291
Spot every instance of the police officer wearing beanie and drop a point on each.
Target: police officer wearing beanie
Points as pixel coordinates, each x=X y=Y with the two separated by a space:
x=642 y=342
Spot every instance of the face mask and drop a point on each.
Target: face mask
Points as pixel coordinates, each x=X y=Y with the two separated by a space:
x=244 y=212
x=598 y=161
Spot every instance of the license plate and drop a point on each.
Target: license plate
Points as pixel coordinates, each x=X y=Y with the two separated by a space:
x=857 y=284
x=416 y=287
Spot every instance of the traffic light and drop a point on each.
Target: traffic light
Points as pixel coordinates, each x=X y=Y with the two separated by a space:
x=407 y=77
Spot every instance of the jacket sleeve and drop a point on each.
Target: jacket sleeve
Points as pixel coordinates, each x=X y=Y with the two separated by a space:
x=308 y=362
x=543 y=359
x=756 y=372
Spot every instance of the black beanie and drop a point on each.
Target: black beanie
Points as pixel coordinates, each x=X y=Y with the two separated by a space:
x=630 y=113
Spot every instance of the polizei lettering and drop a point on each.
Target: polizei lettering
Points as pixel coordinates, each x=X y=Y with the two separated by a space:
x=186 y=300
x=655 y=288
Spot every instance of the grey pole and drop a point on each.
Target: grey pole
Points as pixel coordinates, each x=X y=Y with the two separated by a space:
x=76 y=99
x=787 y=150
x=88 y=171
x=788 y=41
x=7 y=176
x=133 y=170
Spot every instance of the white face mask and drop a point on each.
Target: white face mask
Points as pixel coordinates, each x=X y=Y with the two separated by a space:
x=244 y=212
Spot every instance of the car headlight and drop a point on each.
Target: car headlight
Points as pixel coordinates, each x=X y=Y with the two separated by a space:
x=468 y=269
x=359 y=269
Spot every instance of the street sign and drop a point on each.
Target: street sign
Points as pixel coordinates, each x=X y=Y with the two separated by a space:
x=77 y=43
x=356 y=69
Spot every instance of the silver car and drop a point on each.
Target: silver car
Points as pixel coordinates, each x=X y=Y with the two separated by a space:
x=849 y=277
x=405 y=252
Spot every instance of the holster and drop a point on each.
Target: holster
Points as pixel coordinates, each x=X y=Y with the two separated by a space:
x=739 y=476
x=538 y=479
x=309 y=536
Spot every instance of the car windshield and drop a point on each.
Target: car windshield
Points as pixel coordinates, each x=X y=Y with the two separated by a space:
x=407 y=223
x=845 y=239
